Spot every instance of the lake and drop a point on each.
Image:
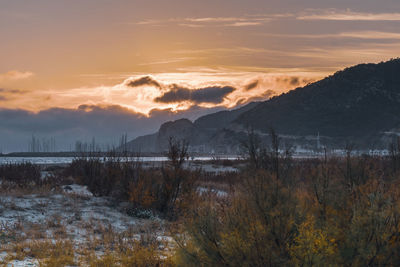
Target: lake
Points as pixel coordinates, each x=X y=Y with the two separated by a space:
x=66 y=160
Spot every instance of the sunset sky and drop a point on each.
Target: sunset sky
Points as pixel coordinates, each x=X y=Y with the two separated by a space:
x=64 y=63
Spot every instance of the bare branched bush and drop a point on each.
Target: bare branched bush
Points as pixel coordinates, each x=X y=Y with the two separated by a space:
x=23 y=174
x=333 y=212
x=177 y=183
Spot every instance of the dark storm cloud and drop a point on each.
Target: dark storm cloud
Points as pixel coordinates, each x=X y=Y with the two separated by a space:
x=146 y=80
x=262 y=97
x=293 y=81
x=11 y=91
x=6 y=93
x=59 y=119
x=69 y=125
x=213 y=94
x=191 y=113
x=96 y=120
x=105 y=123
x=251 y=85
x=176 y=93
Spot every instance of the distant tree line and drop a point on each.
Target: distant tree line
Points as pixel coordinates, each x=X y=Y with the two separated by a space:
x=36 y=144
x=94 y=146
x=46 y=145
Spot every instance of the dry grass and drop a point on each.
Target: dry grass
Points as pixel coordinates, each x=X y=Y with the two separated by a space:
x=104 y=247
x=11 y=189
x=69 y=236
x=47 y=252
x=80 y=230
x=77 y=240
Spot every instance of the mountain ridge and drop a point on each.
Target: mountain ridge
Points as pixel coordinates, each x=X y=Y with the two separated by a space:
x=357 y=101
x=359 y=104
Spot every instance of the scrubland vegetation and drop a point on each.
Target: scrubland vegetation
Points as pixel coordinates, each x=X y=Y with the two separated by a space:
x=275 y=211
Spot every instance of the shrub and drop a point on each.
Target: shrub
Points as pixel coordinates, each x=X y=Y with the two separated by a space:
x=22 y=174
x=254 y=228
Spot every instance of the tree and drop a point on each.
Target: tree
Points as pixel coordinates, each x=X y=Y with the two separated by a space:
x=176 y=181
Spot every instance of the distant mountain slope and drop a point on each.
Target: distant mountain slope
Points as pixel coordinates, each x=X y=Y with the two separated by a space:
x=358 y=104
x=222 y=119
x=360 y=101
x=204 y=134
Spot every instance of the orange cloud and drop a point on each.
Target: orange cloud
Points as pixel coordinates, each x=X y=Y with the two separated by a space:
x=348 y=15
x=199 y=22
x=176 y=91
x=15 y=75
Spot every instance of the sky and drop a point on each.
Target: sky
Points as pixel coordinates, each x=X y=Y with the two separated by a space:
x=74 y=69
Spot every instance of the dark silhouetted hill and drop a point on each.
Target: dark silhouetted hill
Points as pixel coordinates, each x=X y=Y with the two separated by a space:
x=203 y=135
x=360 y=104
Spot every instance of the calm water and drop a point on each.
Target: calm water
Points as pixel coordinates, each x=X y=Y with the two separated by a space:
x=65 y=160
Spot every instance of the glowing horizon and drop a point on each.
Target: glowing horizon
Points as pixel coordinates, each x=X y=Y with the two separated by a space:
x=142 y=98
x=66 y=54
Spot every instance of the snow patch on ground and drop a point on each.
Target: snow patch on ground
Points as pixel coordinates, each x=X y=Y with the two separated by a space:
x=203 y=190
x=69 y=213
x=211 y=168
x=19 y=263
x=77 y=189
x=75 y=210
x=24 y=263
